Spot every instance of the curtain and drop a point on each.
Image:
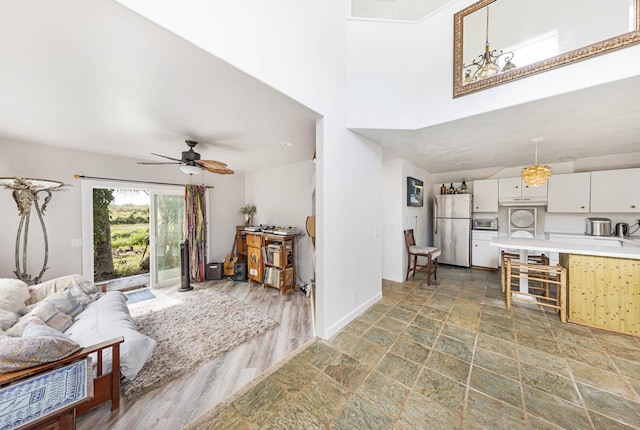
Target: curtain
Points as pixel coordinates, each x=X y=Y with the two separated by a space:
x=196 y=229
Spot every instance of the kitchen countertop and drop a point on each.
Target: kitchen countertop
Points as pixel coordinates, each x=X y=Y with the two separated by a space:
x=632 y=252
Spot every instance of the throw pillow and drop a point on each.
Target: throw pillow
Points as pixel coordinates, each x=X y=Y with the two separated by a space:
x=7 y=319
x=62 y=301
x=35 y=330
x=18 y=328
x=59 y=321
x=77 y=283
x=13 y=294
x=39 y=347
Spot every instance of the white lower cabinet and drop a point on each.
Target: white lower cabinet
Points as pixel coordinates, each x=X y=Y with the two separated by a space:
x=482 y=253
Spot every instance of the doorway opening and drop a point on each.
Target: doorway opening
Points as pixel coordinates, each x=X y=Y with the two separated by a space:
x=121 y=237
x=132 y=234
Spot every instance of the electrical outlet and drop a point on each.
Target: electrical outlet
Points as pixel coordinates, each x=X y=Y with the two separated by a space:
x=355 y=297
x=76 y=242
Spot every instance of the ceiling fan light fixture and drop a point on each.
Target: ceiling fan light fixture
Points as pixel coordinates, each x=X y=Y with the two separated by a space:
x=190 y=170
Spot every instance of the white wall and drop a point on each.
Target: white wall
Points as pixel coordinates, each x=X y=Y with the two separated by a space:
x=394 y=9
x=400 y=74
x=393 y=264
x=417 y=218
x=63 y=215
x=397 y=216
x=283 y=198
x=299 y=48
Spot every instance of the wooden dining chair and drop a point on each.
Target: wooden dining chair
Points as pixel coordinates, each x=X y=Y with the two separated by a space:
x=414 y=251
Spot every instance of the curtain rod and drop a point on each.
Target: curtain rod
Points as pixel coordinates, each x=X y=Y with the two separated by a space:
x=77 y=176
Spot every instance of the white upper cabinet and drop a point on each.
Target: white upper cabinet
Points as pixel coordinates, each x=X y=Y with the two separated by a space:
x=485 y=195
x=529 y=191
x=509 y=188
x=615 y=191
x=514 y=188
x=569 y=193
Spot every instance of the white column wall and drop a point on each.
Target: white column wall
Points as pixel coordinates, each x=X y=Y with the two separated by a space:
x=299 y=48
x=401 y=74
x=393 y=264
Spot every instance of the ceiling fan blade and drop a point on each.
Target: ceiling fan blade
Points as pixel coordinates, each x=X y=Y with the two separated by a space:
x=158 y=162
x=168 y=158
x=213 y=164
x=224 y=171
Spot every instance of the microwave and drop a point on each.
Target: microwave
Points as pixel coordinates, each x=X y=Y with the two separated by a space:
x=485 y=224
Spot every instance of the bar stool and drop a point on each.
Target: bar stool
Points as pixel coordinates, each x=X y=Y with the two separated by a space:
x=545 y=275
x=430 y=253
x=531 y=259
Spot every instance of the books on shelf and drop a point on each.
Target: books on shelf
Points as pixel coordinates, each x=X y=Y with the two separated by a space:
x=278 y=277
x=272 y=254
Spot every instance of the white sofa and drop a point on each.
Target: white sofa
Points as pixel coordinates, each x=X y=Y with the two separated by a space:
x=90 y=321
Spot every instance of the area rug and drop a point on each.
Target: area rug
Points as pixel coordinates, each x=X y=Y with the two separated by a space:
x=191 y=328
x=139 y=296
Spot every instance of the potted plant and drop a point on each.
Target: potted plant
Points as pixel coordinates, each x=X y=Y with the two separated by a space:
x=248 y=211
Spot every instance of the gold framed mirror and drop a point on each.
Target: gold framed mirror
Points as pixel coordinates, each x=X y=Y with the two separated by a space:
x=497 y=41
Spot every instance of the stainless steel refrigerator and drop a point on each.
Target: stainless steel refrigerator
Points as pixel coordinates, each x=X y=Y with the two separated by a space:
x=452 y=228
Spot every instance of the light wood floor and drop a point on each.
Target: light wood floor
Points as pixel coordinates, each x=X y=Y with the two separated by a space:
x=187 y=397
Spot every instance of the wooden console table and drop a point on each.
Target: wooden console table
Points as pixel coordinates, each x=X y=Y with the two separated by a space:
x=271 y=258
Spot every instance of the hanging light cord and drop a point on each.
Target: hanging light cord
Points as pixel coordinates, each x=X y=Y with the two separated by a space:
x=487 y=28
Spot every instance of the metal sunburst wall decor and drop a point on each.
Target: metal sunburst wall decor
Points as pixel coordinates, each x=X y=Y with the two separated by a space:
x=26 y=194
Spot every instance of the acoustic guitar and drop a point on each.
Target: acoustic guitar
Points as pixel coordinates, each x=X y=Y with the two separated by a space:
x=229 y=261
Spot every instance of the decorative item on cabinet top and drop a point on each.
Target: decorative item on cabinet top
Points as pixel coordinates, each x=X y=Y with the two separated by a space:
x=248 y=210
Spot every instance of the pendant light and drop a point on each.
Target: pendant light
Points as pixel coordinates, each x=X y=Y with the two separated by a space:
x=537 y=174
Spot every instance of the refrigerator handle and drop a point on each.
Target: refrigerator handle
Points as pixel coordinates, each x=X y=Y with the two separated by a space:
x=435 y=214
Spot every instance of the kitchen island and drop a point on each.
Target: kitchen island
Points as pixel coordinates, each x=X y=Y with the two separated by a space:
x=603 y=281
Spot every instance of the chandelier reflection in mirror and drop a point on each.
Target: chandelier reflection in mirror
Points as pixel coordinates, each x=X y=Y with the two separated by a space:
x=26 y=193
x=537 y=174
x=487 y=63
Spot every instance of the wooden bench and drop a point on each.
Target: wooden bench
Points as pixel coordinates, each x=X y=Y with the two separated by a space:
x=106 y=386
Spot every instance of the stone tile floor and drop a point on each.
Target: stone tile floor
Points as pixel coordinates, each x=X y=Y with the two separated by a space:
x=449 y=356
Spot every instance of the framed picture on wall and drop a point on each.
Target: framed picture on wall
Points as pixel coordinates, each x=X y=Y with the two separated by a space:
x=415 y=192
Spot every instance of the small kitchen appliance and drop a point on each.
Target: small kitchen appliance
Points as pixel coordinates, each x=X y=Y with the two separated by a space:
x=485 y=224
x=599 y=226
x=622 y=229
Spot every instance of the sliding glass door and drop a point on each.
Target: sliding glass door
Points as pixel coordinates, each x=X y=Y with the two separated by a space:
x=166 y=228
x=166 y=233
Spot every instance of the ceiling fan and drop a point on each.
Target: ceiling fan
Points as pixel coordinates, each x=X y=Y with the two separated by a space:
x=191 y=164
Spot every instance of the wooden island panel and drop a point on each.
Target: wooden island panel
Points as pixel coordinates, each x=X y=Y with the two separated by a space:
x=604 y=292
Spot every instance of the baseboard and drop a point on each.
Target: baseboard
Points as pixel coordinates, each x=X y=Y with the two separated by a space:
x=342 y=323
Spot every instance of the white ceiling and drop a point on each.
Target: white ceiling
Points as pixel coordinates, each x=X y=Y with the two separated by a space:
x=91 y=75
x=594 y=122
